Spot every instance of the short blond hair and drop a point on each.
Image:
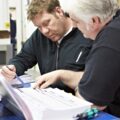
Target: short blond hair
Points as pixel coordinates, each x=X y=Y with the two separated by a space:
x=38 y=6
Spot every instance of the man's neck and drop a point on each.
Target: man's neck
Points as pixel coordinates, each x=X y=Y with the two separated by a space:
x=70 y=29
x=70 y=24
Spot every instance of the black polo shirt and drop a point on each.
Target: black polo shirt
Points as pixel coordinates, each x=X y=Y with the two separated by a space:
x=100 y=83
x=49 y=56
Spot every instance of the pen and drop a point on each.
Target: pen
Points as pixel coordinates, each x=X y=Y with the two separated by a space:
x=88 y=114
x=17 y=77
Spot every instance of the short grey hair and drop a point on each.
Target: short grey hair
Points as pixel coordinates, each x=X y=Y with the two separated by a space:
x=85 y=9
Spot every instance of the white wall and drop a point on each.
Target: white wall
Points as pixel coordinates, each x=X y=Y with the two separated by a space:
x=4 y=15
x=12 y=3
x=24 y=27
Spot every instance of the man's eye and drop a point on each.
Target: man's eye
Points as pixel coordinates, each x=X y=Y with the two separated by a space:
x=46 y=23
x=75 y=21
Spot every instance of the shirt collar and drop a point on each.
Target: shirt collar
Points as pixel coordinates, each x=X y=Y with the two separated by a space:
x=59 y=41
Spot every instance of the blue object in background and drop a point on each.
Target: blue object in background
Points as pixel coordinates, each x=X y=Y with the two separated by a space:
x=106 y=116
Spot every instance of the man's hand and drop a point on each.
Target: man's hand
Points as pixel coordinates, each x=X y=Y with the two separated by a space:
x=69 y=78
x=46 y=79
x=9 y=72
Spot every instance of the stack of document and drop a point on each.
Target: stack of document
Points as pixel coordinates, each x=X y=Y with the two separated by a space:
x=43 y=104
x=52 y=104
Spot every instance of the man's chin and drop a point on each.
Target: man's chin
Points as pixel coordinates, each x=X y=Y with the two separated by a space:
x=55 y=39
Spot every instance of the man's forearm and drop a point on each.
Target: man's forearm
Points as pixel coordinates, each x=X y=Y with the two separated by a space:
x=70 y=78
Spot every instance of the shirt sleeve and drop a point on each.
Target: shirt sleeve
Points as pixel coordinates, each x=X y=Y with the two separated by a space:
x=100 y=81
x=25 y=59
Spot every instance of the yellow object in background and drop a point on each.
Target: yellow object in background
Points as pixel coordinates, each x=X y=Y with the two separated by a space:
x=118 y=2
x=7 y=25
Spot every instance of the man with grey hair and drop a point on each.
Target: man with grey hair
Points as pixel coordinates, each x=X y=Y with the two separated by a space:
x=100 y=83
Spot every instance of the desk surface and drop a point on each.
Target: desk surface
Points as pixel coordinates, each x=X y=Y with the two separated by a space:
x=5 y=114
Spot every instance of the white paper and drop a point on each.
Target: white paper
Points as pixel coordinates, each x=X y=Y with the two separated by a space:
x=53 y=104
x=44 y=104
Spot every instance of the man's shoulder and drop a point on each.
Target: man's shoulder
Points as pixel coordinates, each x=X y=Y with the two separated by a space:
x=76 y=31
x=37 y=35
x=77 y=35
x=36 y=32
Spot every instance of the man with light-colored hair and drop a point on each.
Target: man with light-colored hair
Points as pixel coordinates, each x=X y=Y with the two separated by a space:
x=55 y=44
x=100 y=83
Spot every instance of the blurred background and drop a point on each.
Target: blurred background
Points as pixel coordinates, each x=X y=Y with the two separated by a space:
x=14 y=28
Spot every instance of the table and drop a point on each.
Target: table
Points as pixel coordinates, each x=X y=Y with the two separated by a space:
x=6 y=114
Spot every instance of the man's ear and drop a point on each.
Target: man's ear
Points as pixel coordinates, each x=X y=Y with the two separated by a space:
x=94 y=23
x=58 y=11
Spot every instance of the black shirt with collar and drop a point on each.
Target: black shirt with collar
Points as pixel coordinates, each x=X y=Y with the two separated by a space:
x=100 y=83
x=51 y=56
